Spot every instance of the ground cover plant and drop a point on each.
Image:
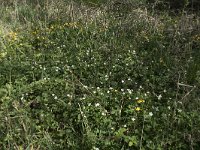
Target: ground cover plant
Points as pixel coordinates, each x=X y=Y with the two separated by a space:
x=98 y=75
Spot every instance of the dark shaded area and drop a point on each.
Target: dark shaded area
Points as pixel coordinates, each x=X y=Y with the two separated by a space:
x=176 y=5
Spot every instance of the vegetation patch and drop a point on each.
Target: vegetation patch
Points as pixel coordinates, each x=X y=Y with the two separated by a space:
x=97 y=77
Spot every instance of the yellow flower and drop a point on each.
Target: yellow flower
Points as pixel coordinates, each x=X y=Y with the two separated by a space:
x=140 y=101
x=137 y=108
x=34 y=32
x=13 y=35
x=2 y=55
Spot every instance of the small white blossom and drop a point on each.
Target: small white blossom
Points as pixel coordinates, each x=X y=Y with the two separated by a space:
x=57 y=69
x=68 y=95
x=133 y=119
x=129 y=91
x=110 y=88
x=103 y=114
x=180 y=102
x=150 y=114
x=97 y=105
x=179 y=110
x=85 y=86
x=94 y=92
x=159 y=97
x=95 y=148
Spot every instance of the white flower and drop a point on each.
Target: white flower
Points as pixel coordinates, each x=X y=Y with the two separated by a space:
x=159 y=97
x=169 y=107
x=97 y=105
x=150 y=114
x=129 y=91
x=103 y=114
x=94 y=92
x=57 y=69
x=95 y=148
x=55 y=97
x=180 y=102
x=122 y=81
x=179 y=110
x=137 y=98
x=85 y=86
x=125 y=126
x=133 y=119
x=68 y=95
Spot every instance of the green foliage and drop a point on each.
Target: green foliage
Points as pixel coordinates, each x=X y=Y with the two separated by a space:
x=123 y=79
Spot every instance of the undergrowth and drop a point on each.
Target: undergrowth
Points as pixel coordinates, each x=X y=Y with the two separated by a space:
x=74 y=76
